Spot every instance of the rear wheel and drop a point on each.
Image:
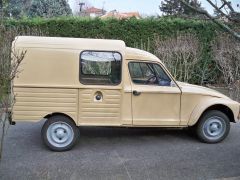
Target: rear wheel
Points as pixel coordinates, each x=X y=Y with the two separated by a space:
x=59 y=133
x=213 y=127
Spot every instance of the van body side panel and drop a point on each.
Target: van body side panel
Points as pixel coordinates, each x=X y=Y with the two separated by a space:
x=105 y=112
x=48 y=68
x=32 y=104
x=126 y=97
x=46 y=83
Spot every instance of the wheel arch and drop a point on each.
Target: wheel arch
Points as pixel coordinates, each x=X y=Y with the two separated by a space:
x=61 y=114
x=224 y=109
x=200 y=110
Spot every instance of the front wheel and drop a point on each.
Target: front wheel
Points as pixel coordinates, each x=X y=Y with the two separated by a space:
x=213 y=127
x=59 y=133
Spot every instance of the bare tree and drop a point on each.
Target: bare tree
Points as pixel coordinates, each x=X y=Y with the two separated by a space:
x=10 y=60
x=180 y=54
x=226 y=10
x=7 y=100
x=226 y=52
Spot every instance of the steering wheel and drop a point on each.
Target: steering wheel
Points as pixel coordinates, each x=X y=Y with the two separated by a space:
x=152 y=78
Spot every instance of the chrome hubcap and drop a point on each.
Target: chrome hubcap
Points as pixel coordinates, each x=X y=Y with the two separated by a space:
x=214 y=128
x=60 y=134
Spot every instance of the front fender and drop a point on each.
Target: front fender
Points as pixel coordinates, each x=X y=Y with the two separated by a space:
x=207 y=103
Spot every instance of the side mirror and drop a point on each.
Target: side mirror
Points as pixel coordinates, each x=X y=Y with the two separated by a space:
x=172 y=84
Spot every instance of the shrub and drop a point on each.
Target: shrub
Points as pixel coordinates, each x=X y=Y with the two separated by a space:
x=136 y=33
x=180 y=54
x=226 y=54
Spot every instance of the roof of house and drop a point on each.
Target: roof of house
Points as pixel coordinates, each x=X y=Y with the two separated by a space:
x=118 y=15
x=94 y=10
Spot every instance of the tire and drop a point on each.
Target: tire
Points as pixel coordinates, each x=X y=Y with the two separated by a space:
x=59 y=133
x=213 y=127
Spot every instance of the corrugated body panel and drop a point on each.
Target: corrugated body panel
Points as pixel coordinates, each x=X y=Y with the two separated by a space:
x=106 y=112
x=35 y=103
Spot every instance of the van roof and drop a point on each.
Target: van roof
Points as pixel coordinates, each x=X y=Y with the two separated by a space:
x=137 y=54
x=82 y=44
x=68 y=43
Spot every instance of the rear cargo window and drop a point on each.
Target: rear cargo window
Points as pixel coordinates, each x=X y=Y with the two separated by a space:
x=100 y=68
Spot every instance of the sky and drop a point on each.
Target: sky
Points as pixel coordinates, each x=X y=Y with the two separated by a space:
x=148 y=7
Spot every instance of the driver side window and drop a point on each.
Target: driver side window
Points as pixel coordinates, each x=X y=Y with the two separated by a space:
x=148 y=74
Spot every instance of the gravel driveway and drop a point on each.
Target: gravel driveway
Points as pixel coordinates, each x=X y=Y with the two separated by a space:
x=120 y=153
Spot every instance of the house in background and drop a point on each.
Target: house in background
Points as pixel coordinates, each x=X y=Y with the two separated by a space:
x=118 y=15
x=93 y=12
x=96 y=12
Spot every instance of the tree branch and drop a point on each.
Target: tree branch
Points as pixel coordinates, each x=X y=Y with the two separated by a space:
x=218 y=9
x=229 y=5
x=222 y=6
x=221 y=12
x=204 y=12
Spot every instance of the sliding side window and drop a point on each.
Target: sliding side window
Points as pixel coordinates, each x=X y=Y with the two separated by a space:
x=100 y=68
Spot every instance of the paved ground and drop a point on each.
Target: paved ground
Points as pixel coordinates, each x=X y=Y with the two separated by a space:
x=120 y=153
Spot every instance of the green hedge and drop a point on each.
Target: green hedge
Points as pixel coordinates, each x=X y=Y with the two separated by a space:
x=135 y=33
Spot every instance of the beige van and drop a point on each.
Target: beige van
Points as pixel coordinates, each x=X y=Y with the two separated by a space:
x=73 y=82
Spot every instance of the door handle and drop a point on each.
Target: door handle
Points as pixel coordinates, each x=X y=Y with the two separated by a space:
x=136 y=93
